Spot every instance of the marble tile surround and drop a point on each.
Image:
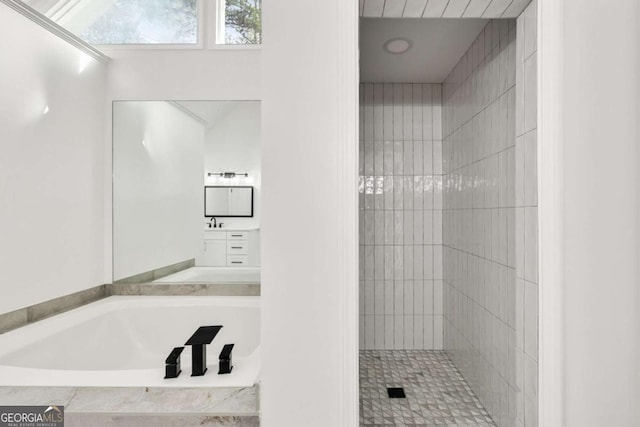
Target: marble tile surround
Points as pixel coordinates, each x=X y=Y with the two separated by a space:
x=231 y=289
x=34 y=313
x=158 y=273
x=139 y=406
x=109 y=420
x=437 y=394
x=136 y=400
x=401 y=216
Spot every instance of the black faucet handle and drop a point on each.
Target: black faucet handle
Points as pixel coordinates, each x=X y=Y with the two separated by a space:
x=174 y=356
x=226 y=351
x=172 y=363
x=225 y=366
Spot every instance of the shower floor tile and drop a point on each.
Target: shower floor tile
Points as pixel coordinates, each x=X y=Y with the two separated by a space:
x=437 y=394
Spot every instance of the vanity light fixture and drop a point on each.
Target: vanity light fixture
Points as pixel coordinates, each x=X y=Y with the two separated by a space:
x=228 y=175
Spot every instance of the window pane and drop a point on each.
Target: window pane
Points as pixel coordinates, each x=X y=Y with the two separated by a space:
x=125 y=21
x=242 y=21
x=146 y=22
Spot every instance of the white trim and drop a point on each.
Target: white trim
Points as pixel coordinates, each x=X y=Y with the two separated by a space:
x=310 y=301
x=348 y=119
x=236 y=47
x=56 y=30
x=211 y=15
x=159 y=46
x=550 y=178
x=218 y=27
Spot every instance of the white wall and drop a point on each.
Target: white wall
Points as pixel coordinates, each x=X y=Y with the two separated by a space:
x=401 y=216
x=51 y=165
x=233 y=144
x=188 y=74
x=309 y=342
x=601 y=107
x=157 y=181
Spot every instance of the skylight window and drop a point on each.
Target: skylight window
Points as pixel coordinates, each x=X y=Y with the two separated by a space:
x=125 y=21
x=157 y=22
x=145 y=22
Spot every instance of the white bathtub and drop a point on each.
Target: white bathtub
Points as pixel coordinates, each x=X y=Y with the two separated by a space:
x=214 y=275
x=123 y=341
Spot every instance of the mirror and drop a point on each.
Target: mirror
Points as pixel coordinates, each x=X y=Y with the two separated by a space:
x=220 y=201
x=164 y=154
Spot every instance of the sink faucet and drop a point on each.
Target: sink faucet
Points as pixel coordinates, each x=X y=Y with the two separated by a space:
x=215 y=223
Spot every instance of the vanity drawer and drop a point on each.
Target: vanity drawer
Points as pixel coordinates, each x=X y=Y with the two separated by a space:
x=236 y=260
x=237 y=247
x=237 y=235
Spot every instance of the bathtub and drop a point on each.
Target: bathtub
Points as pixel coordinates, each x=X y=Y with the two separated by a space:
x=214 y=275
x=123 y=341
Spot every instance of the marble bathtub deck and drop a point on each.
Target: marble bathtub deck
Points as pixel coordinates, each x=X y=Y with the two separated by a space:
x=436 y=392
x=144 y=406
x=211 y=289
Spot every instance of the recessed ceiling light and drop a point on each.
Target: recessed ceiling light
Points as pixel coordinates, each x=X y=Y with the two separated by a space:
x=397 y=45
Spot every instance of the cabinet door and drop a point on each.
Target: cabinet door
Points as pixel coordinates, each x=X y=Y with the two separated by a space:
x=215 y=253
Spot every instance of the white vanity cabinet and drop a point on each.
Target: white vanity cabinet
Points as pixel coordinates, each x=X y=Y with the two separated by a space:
x=215 y=249
x=235 y=248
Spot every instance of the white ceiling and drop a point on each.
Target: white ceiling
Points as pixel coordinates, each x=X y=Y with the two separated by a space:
x=438 y=45
x=442 y=8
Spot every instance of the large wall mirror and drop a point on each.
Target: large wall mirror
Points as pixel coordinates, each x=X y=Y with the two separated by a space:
x=186 y=191
x=226 y=201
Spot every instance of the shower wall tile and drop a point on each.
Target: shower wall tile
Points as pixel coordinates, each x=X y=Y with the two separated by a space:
x=490 y=222
x=490 y=219
x=526 y=238
x=401 y=250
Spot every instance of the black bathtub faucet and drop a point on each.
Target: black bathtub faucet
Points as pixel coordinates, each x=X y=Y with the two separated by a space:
x=198 y=342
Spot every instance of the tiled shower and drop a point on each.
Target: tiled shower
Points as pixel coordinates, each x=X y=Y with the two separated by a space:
x=448 y=218
x=401 y=277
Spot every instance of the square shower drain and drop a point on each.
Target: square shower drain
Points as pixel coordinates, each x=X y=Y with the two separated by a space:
x=396 y=392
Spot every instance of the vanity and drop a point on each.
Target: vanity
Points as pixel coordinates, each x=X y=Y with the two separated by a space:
x=237 y=245
x=231 y=247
